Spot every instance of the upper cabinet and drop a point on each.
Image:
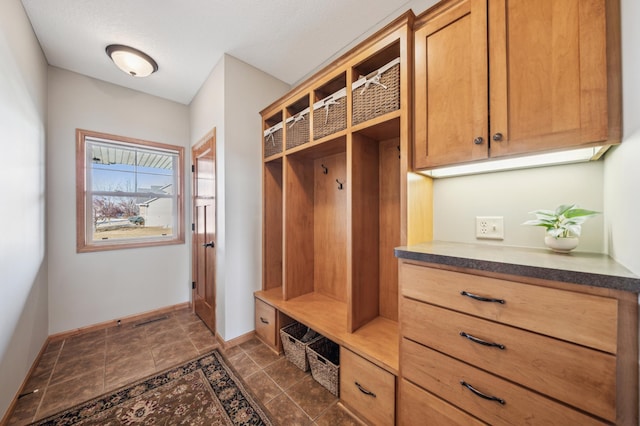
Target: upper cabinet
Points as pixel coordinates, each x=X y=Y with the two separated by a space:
x=498 y=78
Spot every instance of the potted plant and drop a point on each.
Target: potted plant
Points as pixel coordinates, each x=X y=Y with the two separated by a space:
x=563 y=225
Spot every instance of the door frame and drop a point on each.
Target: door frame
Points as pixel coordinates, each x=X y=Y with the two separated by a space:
x=196 y=149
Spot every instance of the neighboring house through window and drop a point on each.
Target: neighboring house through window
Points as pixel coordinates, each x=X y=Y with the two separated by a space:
x=128 y=192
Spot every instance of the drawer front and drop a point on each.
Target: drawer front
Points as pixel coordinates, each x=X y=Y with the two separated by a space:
x=367 y=389
x=266 y=322
x=417 y=406
x=574 y=374
x=575 y=317
x=447 y=377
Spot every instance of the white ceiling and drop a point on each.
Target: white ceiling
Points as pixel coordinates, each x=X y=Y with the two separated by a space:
x=285 y=38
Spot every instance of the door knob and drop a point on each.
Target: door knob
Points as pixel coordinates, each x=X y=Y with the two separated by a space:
x=209 y=244
x=497 y=137
x=478 y=140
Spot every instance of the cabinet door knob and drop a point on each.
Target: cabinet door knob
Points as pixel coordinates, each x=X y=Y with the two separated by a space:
x=264 y=321
x=497 y=137
x=478 y=140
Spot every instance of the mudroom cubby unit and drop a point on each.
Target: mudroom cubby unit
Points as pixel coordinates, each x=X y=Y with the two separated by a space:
x=336 y=205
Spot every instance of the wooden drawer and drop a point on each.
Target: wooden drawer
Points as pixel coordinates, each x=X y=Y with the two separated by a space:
x=444 y=376
x=579 y=376
x=576 y=317
x=266 y=323
x=418 y=406
x=367 y=389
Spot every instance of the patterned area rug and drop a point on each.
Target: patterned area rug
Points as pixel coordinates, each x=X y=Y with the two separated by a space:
x=204 y=391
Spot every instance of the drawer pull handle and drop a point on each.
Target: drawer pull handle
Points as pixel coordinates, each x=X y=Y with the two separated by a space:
x=480 y=341
x=364 y=391
x=482 y=299
x=480 y=394
x=264 y=321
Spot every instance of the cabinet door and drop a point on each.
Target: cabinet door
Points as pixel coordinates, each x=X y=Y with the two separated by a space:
x=548 y=74
x=451 y=99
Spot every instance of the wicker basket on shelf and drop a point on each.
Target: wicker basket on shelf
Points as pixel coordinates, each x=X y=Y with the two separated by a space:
x=295 y=338
x=297 y=132
x=273 y=140
x=330 y=114
x=378 y=93
x=324 y=361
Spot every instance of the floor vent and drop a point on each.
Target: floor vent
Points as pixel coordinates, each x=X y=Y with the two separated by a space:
x=149 y=321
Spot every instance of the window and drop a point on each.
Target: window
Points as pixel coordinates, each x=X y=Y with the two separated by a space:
x=128 y=192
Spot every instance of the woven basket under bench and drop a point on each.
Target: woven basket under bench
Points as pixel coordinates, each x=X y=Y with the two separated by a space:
x=295 y=338
x=324 y=361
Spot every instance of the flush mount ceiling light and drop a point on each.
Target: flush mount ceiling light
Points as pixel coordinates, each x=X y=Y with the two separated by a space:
x=132 y=61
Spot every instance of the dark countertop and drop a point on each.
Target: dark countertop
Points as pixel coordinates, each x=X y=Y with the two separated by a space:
x=594 y=269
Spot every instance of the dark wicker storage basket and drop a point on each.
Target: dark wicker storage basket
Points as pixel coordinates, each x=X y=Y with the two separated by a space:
x=295 y=344
x=324 y=360
x=273 y=140
x=297 y=129
x=378 y=93
x=330 y=114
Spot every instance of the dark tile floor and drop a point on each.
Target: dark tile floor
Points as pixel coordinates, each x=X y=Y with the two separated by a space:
x=87 y=365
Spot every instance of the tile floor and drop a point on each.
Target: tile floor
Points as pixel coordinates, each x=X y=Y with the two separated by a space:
x=87 y=365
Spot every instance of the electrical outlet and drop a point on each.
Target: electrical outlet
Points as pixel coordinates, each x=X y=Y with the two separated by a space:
x=490 y=227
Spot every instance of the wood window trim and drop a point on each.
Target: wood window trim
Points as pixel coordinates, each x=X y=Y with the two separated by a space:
x=82 y=243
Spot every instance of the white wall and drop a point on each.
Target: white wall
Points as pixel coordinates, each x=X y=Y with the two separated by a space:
x=206 y=112
x=622 y=166
x=231 y=100
x=23 y=270
x=513 y=194
x=90 y=288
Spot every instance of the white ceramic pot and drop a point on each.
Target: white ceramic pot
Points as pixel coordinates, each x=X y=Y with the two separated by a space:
x=561 y=245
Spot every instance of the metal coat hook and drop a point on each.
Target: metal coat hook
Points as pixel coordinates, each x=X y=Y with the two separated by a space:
x=339 y=184
x=324 y=169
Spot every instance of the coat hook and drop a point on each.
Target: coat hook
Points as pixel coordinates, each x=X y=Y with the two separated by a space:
x=324 y=169
x=339 y=184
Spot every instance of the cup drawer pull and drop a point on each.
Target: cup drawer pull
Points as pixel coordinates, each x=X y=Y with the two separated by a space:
x=364 y=391
x=482 y=299
x=480 y=394
x=264 y=321
x=481 y=342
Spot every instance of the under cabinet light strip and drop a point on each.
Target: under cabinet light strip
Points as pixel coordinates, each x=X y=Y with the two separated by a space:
x=539 y=160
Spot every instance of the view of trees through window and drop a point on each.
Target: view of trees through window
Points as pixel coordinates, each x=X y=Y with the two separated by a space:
x=132 y=191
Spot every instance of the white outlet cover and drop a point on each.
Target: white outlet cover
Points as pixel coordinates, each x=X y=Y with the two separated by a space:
x=490 y=227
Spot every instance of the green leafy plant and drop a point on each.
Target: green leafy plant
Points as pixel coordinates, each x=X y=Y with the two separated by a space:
x=566 y=221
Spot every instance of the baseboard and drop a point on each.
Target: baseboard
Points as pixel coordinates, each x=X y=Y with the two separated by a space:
x=100 y=326
x=12 y=405
x=236 y=341
x=113 y=323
